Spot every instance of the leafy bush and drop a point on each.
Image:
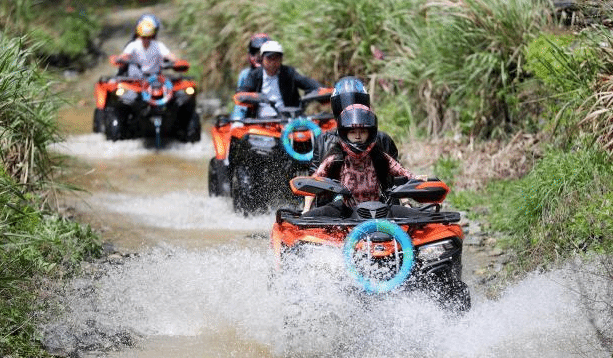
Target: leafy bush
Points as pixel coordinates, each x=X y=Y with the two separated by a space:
x=34 y=242
x=59 y=34
x=560 y=208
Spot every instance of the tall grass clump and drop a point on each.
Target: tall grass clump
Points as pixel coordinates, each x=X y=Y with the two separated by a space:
x=572 y=71
x=27 y=115
x=466 y=63
x=433 y=65
x=35 y=242
x=562 y=207
x=323 y=39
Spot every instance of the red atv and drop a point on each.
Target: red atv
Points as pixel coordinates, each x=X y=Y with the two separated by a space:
x=158 y=105
x=255 y=158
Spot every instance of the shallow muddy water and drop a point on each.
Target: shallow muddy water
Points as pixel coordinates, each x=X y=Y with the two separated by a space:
x=199 y=281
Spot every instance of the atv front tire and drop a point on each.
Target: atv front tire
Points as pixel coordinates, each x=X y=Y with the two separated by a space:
x=115 y=123
x=219 y=183
x=99 y=121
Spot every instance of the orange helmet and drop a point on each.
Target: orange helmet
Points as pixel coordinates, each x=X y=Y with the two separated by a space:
x=145 y=28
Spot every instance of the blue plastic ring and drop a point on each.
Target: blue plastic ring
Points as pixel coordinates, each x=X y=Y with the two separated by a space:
x=388 y=227
x=162 y=101
x=287 y=144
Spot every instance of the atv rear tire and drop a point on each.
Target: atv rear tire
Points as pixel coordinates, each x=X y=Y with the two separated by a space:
x=194 y=129
x=99 y=121
x=115 y=123
x=243 y=191
x=219 y=183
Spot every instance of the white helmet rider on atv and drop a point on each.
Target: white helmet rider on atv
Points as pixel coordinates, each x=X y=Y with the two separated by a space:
x=145 y=53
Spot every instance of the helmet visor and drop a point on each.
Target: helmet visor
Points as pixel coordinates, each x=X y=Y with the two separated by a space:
x=357 y=117
x=344 y=100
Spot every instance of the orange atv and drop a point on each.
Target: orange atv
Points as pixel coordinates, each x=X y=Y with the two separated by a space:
x=256 y=157
x=385 y=246
x=156 y=105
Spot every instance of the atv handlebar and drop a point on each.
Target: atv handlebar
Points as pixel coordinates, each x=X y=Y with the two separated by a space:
x=251 y=99
x=432 y=191
x=178 y=65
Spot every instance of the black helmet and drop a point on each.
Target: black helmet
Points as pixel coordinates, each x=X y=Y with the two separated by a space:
x=348 y=91
x=256 y=42
x=357 y=116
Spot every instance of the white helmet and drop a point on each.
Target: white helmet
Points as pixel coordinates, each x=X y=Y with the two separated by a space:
x=271 y=46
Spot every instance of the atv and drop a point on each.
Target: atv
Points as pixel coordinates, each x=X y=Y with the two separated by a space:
x=156 y=106
x=386 y=245
x=256 y=157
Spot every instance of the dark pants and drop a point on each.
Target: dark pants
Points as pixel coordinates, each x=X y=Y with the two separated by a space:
x=335 y=209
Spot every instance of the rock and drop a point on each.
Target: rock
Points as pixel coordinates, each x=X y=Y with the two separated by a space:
x=496 y=252
x=474 y=240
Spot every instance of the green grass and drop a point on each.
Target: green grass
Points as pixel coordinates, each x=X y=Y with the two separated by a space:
x=35 y=243
x=561 y=208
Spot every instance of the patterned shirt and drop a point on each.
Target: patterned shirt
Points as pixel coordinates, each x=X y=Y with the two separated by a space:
x=359 y=176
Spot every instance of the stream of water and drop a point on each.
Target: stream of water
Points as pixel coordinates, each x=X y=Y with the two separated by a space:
x=200 y=283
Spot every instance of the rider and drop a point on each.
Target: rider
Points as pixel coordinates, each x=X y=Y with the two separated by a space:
x=255 y=60
x=357 y=161
x=347 y=91
x=147 y=53
x=280 y=83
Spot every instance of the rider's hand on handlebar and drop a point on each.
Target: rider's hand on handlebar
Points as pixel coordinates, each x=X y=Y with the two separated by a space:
x=422 y=177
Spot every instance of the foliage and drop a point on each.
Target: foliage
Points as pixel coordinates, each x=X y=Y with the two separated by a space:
x=447 y=168
x=27 y=125
x=450 y=64
x=560 y=208
x=60 y=34
x=34 y=241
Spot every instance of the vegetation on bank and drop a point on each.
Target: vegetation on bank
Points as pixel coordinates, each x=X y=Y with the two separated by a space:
x=477 y=69
x=61 y=33
x=35 y=242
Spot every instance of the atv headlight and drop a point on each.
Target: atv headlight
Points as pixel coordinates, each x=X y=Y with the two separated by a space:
x=262 y=141
x=435 y=251
x=126 y=96
x=190 y=90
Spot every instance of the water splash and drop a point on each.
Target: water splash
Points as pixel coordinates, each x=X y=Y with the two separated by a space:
x=314 y=310
x=182 y=210
x=95 y=146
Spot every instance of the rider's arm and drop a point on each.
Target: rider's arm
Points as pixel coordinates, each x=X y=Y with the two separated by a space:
x=165 y=52
x=305 y=83
x=250 y=84
x=396 y=169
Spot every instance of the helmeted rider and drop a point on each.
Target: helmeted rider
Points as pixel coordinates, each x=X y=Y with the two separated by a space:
x=154 y=19
x=280 y=83
x=347 y=91
x=255 y=60
x=145 y=53
x=358 y=161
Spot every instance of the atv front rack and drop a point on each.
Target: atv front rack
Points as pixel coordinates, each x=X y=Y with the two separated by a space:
x=417 y=217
